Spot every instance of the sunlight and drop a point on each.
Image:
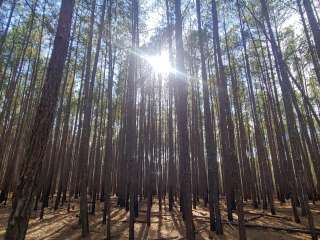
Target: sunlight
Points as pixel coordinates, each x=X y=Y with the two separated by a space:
x=160 y=63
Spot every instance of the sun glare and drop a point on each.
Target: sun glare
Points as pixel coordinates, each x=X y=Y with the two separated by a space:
x=160 y=63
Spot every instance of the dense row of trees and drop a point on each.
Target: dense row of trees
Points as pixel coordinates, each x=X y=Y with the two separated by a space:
x=85 y=114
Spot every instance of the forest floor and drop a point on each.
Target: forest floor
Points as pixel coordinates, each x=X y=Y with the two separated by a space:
x=62 y=224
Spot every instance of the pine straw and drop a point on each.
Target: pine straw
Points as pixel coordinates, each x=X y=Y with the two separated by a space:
x=260 y=224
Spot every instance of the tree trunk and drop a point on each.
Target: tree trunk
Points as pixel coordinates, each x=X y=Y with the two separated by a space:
x=211 y=146
x=181 y=94
x=21 y=208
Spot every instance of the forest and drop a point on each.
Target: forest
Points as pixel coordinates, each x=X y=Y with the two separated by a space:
x=159 y=119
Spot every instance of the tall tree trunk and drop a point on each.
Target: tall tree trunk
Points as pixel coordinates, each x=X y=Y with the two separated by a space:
x=211 y=146
x=181 y=95
x=86 y=128
x=229 y=157
x=21 y=208
x=108 y=147
x=170 y=113
x=130 y=149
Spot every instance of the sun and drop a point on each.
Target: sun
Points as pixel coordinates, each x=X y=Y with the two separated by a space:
x=160 y=63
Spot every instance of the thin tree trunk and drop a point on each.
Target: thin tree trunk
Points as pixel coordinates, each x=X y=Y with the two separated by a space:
x=211 y=146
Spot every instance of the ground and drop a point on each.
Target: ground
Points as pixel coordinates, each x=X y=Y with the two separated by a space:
x=62 y=224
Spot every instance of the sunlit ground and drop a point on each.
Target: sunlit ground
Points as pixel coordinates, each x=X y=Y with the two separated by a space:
x=60 y=224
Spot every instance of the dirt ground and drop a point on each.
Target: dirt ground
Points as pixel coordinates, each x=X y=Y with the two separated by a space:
x=60 y=224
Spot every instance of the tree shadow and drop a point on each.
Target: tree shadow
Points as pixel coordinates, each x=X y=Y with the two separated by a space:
x=36 y=224
x=177 y=221
x=143 y=232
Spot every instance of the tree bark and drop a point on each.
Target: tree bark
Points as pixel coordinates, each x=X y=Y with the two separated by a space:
x=181 y=94
x=21 y=209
